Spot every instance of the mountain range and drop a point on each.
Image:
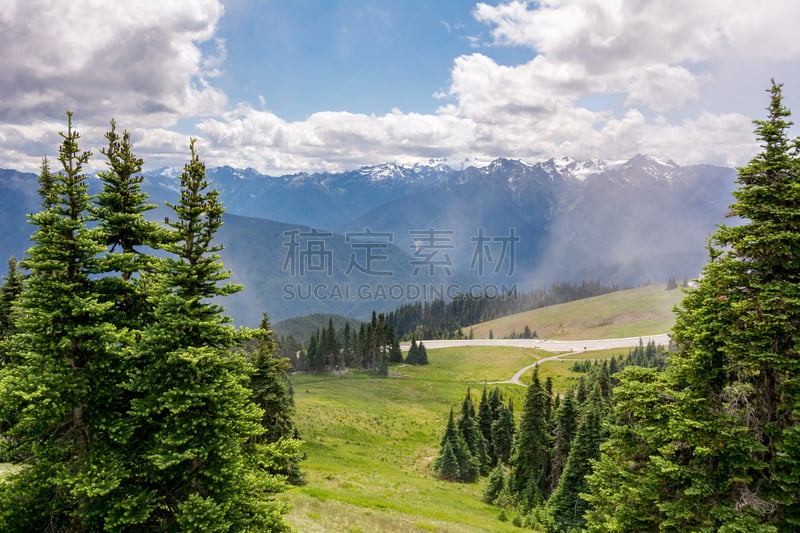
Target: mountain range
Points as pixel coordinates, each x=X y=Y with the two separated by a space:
x=375 y=237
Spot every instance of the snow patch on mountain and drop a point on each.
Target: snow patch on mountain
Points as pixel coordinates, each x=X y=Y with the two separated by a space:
x=416 y=172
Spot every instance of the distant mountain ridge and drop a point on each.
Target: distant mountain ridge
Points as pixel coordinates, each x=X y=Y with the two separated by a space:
x=508 y=222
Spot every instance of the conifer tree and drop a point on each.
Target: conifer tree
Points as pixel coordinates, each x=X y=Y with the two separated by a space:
x=10 y=292
x=395 y=354
x=270 y=385
x=193 y=411
x=565 y=503
x=422 y=355
x=468 y=427
x=55 y=393
x=272 y=392
x=503 y=433
x=447 y=463
x=485 y=418
x=347 y=345
x=120 y=208
x=722 y=442
x=566 y=422
x=529 y=475
x=495 y=485
x=412 y=357
x=453 y=440
x=126 y=402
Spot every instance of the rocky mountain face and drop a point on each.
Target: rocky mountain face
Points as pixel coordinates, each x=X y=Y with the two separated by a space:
x=434 y=230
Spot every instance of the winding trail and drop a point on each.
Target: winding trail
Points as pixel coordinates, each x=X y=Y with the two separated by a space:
x=565 y=348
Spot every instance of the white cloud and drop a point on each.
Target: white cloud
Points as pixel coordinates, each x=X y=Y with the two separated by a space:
x=330 y=140
x=664 y=78
x=101 y=59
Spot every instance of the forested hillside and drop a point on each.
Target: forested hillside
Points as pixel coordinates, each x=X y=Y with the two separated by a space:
x=442 y=319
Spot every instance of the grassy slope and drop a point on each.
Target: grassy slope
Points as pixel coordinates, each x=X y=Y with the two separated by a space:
x=628 y=313
x=370 y=441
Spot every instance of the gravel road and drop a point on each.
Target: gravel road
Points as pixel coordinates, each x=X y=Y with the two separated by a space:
x=567 y=347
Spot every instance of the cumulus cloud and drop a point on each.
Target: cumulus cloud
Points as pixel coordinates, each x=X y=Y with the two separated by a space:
x=330 y=140
x=605 y=79
x=656 y=56
x=136 y=58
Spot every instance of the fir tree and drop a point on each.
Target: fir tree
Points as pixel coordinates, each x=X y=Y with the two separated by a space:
x=55 y=395
x=453 y=441
x=722 y=446
x=503 y=433
x=10 y=292
x=272 y=392
x=271 y=387
x=447 y=464
x=495 y=485
x=126 y=402
x=529 y=475
x=468 y=427
x=485 y=418
x=566 y=422
x=422 y=355
x=412 y=357
x=193 y=412
x=565 y=503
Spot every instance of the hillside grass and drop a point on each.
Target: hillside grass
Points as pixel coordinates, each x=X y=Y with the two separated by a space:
x=370 y=442
x=629 y=313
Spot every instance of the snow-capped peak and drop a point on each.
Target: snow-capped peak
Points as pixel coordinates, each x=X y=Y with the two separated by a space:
x=170 y=172
x=403 y=172
x=571 y=167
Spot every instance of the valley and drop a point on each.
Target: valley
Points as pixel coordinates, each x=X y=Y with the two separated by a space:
x=370 y=441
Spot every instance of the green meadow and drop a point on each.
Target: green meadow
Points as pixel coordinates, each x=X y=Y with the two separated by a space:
x=370 y=442
x=642 y=311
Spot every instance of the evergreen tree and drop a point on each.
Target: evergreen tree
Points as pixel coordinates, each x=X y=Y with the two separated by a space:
x=395 y=354
x=529 y=475
x=565 y=504
x=192 y=411
x=447 y=464
x=311 y=358
x=422 y=355
x=453 y=441
x=566 y=422
x=348 y=345
x=331 y=347
x=495 y=485
x=412 y=357
x=503 y=433
x=724 y=451
x=55 y=394
x=126 y=402
x=484 y=419
x=468 y=427
x=10 y=292
x=272 y=392
x=270 y=385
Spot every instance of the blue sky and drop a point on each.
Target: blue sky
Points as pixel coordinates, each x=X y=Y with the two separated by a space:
x=285 y=86
x=344 y=56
